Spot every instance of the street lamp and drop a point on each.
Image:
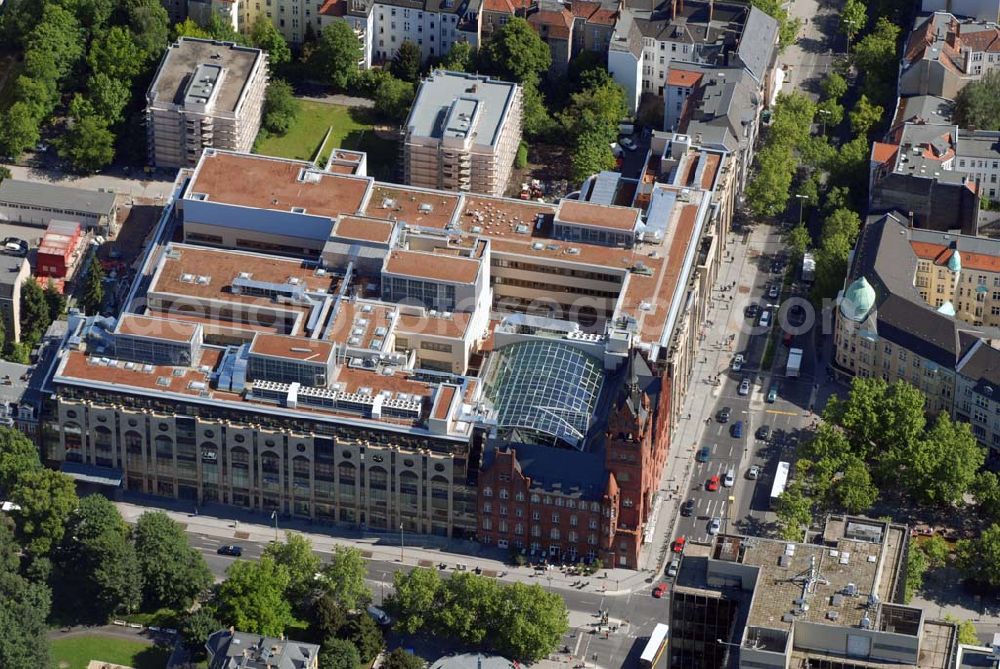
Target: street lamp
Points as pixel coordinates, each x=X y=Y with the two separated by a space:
x=802 y=204
x=823 y=114
x=274 y=517
x=853 y=24
x=401 y=542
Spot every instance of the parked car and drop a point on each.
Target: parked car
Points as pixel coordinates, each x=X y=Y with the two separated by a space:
x=15 y=247
x=712 y=484
x=738 y=361
x=723 y=415
x=765 y=318
x=754 y=472
x=737 y=429
x=679 y=542
x=714 y=526
x=673 y=567
x=729 y=480
x=235 y=551
x=380 y=616
x=772 y=394
x=763 y=432
x=688 y=508
x=751 y=311
x=744 y=387
x=774 y=291
x=660 y=590
x=627 y=143
x=704 y=453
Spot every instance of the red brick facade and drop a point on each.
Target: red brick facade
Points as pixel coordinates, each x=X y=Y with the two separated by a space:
x=516 y=513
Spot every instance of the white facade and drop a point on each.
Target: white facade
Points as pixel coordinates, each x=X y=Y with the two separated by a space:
x=626 y=70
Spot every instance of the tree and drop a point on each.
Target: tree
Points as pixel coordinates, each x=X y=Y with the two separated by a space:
x=94 y=14
x=467 y=601
x=855 y=491
x=338 y=654
x=798 y=240
x=841 y=223
x=591 y=155
x=34 y=311
x=150 y=26
x=853 y=18
x=985 y=488
x=864 y=116
x=98 y=572
x=460 y=57
x=516 y=53
x=937 y=551
x=252 y=598
x=18 y=456
x=88 y=145
x=875 y=55
x=830 y=113
x=916 y=566
x=768 y=192
x=46 y=498
x=109 y=97
x=966 y=631
x=326 y=617
x=596 y=110
x=280 y=107
x=406 y=63
x=528 y=622
x=188 y=28
x=413 y=599
x=979 y=559
x=55 y=45
x=93 y=290
x=834 y=85
x=297 y=556
x=173 y=573
x=942 y=466
x=520 y=160
x=393 y=98
x=344 y=578
x=977 y=105
x=55 y=301
x=536 y=121
x=195 y=628
x=24 y=643
x=794 y=512
x=364 y=633
x=18 y=129
x=4 y=173
x=400 y=659
x=264 y=35
x=116 y=55
x=336 y=55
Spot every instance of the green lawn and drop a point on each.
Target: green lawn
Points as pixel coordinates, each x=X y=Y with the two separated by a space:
x=352 y=129
x=75 y=652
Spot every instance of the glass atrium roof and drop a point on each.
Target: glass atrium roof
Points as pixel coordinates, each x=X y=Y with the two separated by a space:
x=545 y=392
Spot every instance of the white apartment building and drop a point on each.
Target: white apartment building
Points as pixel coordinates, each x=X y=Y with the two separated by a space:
x=434 y=25
x=462 y=133
x=205 y=94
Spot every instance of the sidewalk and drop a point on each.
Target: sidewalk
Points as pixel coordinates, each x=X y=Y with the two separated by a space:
x=385 y=547
x=726 y=317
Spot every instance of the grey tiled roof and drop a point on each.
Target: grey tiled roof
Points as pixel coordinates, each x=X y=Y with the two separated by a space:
x=758 y=44
x=50 y=196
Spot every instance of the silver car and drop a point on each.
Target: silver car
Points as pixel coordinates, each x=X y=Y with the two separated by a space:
x=744 y=387
x=714 y=526
x=672 y=567
x=737 y=362
x=730 y=479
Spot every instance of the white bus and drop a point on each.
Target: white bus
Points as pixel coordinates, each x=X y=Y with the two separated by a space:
x=653 y=651
x=780 y=481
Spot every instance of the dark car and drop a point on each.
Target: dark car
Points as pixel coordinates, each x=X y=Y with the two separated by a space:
x=764 y=432
x=688 y=508
x=703 y=454
x=15 y=247
x=723 y=415
x=737 y=429
x=751 y=311
x=235 y=551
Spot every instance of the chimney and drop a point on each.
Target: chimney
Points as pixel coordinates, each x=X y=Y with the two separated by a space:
x=673 y=9
x=711 y=12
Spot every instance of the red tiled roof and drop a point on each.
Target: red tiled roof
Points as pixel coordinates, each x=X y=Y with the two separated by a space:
x=683 y=78
x=559 y=23
x=333 y=8
x=883 y=153
x=982 y=41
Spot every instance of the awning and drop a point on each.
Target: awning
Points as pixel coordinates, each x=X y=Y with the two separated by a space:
x=92 y=474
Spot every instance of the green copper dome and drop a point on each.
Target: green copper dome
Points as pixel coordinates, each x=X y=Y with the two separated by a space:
x=858 y=301
x=955 y=262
